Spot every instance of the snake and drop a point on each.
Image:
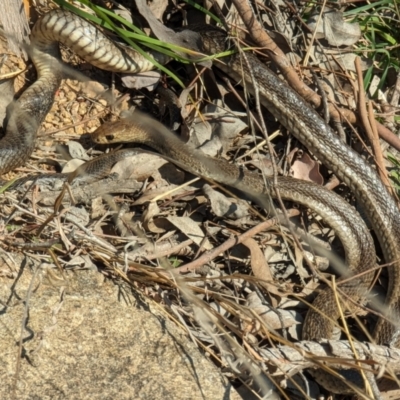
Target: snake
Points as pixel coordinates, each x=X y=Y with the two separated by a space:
x=25 y=115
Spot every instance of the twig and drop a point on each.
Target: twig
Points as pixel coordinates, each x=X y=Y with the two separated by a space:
x=207 y=257
x=368 y=121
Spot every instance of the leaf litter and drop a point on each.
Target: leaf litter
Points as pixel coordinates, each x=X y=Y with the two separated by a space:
x=244 y=290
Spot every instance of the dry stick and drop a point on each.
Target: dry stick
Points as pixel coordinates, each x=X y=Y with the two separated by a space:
x=378 y=150
x=361 y=104
x=207 y=257
x=278 y=57
x=314 y=34
x=368 y=123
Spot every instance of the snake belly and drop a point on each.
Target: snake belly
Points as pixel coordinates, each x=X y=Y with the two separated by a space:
x=26 y=114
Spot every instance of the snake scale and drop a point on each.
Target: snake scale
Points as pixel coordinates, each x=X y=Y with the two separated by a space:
x=26 y=114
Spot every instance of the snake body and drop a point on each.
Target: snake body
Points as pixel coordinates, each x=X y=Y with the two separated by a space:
x=335 y=211
x=310 y=129
x=27 y=113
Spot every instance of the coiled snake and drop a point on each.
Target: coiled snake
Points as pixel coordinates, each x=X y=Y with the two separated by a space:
x=27 y=113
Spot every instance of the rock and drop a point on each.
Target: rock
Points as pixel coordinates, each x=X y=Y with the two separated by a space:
x=87 y=338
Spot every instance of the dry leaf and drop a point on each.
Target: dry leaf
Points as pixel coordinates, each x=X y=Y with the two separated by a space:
x=299 y=258
x=144 y=165
x=273 y=318
x=158 y=7
x=191 y=229
x=139 y=167
x=334 y=29
x=124 y=13
x=79 y=215
x=148 y=218
x=148 y=80
x=218 y=130
x=72 y=165
x=260 y=267
x=224 y=207
x=186 y=39
x=82 y=262
x=333 y=60
x=307 y=169
x=76 y=150
x=97 y=208
x=201 y=133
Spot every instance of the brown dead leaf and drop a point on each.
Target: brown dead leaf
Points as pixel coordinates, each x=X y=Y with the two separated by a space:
x=260 y=267
x=264 y=164
x=310 y=287
x=307 y=169
x=148 y=218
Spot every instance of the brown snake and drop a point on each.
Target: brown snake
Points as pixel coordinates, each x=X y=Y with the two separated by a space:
x=27 y=113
